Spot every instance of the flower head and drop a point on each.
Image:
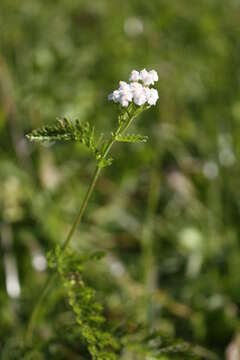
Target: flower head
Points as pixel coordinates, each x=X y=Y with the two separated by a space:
x=137 y=90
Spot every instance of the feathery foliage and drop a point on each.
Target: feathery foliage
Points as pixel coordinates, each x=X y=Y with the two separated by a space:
x=64 y=130
x=67 y=130
x=88 y=311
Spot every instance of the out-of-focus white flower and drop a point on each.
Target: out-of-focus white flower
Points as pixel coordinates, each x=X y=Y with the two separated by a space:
x=210 y=170
x=133 y=26
x=138 y=90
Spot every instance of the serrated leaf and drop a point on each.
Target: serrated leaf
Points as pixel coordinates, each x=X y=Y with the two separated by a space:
x=132 y=138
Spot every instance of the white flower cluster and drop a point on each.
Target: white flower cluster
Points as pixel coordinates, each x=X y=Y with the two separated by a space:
x=137 y=90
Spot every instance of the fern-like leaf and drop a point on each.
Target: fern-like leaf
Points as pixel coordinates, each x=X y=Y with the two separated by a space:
x=67 y=130
x=64 y=130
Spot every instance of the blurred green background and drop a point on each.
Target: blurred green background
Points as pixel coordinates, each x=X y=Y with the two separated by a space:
x=167 y=212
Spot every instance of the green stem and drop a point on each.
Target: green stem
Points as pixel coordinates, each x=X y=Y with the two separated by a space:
x=83 y=207
x=52 y=277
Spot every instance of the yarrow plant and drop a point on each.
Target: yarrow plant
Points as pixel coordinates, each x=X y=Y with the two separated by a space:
x=134 y=98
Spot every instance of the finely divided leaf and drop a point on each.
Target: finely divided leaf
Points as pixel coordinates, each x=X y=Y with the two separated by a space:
x=70 y=265
x=64 y=129
x=67 y=130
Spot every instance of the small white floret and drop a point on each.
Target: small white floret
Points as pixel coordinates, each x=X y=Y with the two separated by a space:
x=154 y=75
x=123 y=85
x=140 y=99
x=152 y=96
x=134 y=76
x=139 y=96
x=146 y=77
x=124 y=102
x=114 y=96
x=125 y=93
